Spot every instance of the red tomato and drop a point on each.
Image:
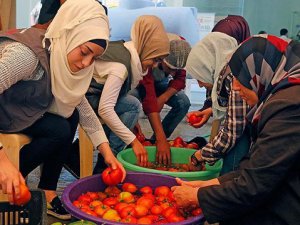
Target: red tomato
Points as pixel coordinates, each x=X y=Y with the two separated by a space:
x=141 y=211
x=140 y=137
x=169 y=211
x=197 y=212
x=144 y=201
x=173 y=218
x=162 y=191
x=129 y=219
x=93 y=195
x=178 y=140
x=147 y=143
x=101 y=209
x=111 y=201
x=193 y=119
x=129 y=187
x=146 y=190
x=25 y=195
x=177 y=145
x=128 y=211
x=112 y=176
x=156 y=210
x=144 y=220
x=120 y=206
x=112 y=191
x=95 y=203
x=192 y=145
x=85 y=198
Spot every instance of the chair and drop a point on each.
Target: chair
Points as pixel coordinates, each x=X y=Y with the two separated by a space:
x=86 y=151
x=12 y=144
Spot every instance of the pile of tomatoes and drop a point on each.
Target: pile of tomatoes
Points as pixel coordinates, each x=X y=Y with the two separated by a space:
x=178 y=142
x=175 y=167
x=130 y=204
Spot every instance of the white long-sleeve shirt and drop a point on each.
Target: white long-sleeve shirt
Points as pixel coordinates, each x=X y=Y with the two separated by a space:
x=112 y=75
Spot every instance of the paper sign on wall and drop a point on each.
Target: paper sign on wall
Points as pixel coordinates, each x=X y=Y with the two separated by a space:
x=206 y=23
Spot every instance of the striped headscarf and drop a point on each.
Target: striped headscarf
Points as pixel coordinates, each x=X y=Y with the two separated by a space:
x=266 y=64
x=234 y=26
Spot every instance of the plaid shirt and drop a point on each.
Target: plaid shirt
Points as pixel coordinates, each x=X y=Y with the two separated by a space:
x=234 y=124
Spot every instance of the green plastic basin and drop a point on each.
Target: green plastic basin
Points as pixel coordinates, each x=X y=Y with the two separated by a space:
x=179 y=155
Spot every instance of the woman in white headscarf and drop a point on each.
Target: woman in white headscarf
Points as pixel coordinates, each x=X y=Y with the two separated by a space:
x=205 y=62
x=47 y=111
x=208 y=64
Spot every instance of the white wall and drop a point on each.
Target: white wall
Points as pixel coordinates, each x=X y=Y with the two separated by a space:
x=24 y=8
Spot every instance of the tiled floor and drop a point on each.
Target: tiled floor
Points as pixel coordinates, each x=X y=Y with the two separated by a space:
x=184 y=130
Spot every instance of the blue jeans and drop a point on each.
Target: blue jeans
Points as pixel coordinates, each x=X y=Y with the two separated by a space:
x=179 y=104
x=127 y=108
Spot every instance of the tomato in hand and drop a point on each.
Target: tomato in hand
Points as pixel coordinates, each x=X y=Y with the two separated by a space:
x=193 y=119
x=112 y=176
x=25 y=195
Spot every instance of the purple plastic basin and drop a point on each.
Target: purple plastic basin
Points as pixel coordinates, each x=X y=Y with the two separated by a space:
x=95 y=183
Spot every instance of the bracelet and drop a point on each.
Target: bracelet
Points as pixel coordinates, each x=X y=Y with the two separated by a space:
x=196 y=162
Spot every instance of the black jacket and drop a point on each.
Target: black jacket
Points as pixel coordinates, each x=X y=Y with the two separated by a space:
x=266 y=188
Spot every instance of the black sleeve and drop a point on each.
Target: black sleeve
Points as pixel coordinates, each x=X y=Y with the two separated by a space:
x=273 y=154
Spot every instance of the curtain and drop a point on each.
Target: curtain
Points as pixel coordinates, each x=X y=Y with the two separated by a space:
x=8 y=14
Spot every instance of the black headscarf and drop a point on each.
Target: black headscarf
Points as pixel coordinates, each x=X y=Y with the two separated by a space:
x=50 y=8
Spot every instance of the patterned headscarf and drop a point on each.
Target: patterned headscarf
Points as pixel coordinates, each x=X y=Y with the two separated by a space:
x=234 y=26
x=149 y=37
x=266 y=64
x=75 y=23
x=179 y=52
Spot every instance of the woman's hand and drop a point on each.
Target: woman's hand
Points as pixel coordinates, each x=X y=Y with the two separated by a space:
x=163 y=153
x=10 y=178
x=186 y=196
x=205 y=114
x=110 y=159
x=140 y=152
x=198 y=183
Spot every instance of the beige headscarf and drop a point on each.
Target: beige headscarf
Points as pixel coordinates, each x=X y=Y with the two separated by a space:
x=148 y=41
x=207 y=59
x=149 y=37
x=76 y=22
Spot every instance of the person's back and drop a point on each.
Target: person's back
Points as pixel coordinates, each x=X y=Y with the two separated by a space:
x=284 y=34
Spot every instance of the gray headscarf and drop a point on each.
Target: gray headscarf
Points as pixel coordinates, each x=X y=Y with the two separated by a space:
x=179 y=51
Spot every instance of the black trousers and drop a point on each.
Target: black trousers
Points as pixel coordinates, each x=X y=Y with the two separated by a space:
x=52 y=136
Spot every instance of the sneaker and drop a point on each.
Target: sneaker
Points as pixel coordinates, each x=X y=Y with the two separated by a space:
x=24 y=217
x=56 y=209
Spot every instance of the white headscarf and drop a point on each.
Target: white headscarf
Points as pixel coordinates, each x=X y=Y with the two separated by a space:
x=76 y=22
x=207 y=59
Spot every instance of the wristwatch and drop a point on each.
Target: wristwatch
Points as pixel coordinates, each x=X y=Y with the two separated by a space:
x=1 y=145
x=195 y=161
